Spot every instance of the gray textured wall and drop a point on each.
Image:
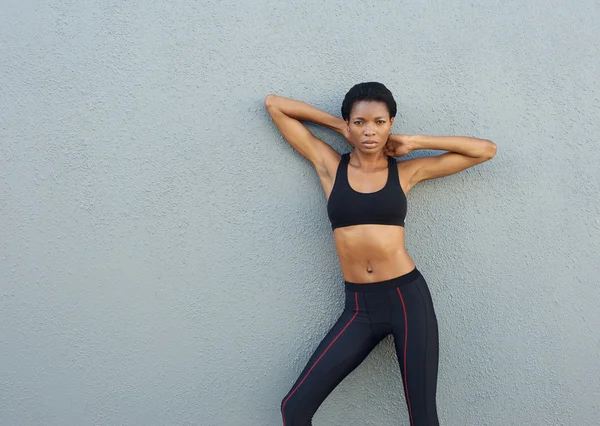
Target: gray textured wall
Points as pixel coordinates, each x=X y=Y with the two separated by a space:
x=166 y=258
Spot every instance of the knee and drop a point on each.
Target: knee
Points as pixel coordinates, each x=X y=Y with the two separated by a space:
x=292 y=414
x=286 y=409
x=300 y=405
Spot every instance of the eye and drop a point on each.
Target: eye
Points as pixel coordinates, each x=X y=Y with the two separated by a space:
x=357 y=122
x=380 y=121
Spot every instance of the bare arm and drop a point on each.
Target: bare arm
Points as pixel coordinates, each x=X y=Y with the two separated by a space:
x=287 y=115
x=464 y=152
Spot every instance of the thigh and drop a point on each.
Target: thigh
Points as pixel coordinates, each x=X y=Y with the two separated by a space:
x=416 y=340
x=343 y=348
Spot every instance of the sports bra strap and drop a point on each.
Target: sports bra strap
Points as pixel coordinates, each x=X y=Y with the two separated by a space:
x=393 y=170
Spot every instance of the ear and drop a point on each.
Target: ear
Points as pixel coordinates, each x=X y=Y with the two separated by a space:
x=392 y=121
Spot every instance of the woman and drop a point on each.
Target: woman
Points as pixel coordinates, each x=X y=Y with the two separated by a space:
x=385 y=292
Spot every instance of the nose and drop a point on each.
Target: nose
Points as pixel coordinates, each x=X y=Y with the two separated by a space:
x=369 y=130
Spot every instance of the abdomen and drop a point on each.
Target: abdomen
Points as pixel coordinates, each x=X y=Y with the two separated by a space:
x=370 y=253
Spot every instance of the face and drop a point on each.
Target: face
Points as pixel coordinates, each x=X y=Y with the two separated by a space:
x=369 y=126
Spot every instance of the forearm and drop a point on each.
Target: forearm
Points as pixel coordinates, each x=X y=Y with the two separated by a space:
x=305 y=112
x=471 y=147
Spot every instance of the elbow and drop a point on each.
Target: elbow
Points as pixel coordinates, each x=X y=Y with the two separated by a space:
x=270 y=101
x=491 y=150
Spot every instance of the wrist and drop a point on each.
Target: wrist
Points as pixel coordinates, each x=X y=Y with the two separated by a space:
x=407 y=142
x=413 y=142
x=340 y=126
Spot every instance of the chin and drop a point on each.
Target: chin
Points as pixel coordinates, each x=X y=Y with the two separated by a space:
x=373 y=150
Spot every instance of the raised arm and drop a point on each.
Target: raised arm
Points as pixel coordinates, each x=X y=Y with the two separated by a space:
x=287 y=115
x=464 y=152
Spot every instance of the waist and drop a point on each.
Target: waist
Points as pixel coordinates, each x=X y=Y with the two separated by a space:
x=386 y=284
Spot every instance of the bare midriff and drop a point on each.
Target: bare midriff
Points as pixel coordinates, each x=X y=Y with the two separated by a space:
x=371 y=253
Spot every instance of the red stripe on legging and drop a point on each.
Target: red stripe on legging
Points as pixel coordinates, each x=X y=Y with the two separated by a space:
x=405 y=344
x=324 y=352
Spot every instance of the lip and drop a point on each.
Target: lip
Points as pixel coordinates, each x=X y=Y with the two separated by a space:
x=369 y=142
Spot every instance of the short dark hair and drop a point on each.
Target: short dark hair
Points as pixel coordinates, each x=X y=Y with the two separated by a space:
x=371 y=91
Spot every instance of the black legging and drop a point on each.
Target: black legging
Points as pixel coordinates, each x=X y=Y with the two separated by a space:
x=401 y=306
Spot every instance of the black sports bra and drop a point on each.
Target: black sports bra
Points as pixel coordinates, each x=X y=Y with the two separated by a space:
x=347 y=207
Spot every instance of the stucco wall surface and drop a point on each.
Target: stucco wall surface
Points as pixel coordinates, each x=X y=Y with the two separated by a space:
x=166 y=258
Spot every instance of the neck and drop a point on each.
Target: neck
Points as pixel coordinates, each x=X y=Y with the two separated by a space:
x=368 y=161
